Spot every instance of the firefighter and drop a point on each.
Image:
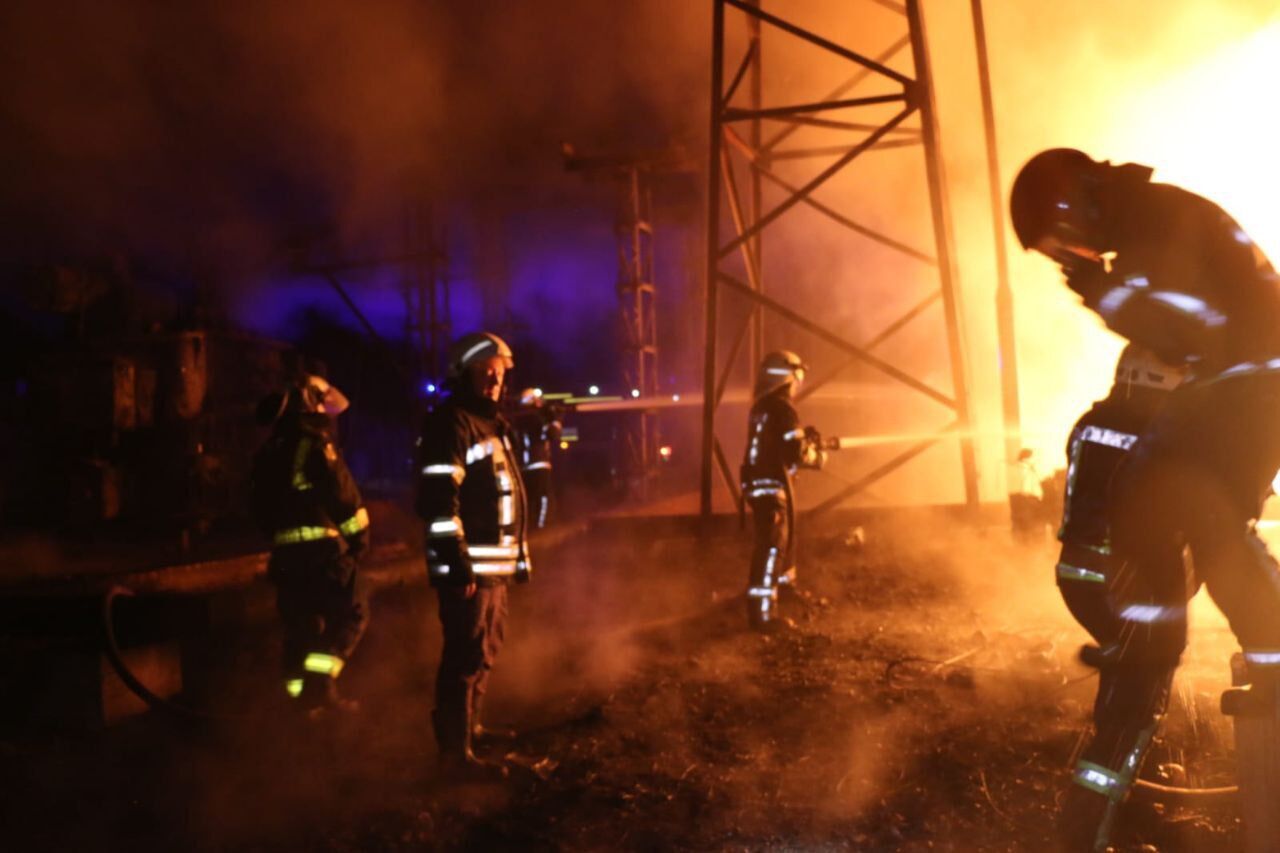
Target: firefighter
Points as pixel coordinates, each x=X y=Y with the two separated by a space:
x=777 y=445
x=306 y=500
x=538 y=427
x=472 y=499
x=1097 y=586
x=1169 y=271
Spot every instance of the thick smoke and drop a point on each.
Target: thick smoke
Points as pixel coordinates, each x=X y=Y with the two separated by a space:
x=226 y=128
x=206 y=138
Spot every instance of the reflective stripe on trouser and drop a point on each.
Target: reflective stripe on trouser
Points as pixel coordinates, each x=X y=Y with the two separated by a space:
x=473 y=630
x=769 y=559
x=323 y=606
x=1083 y=576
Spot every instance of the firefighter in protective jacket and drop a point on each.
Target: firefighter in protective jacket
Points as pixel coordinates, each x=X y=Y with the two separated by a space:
x=1097 y=586
x=472 y=500
x=538 y=428
x=1173 y=273
x=306 y=500
x=777 y=445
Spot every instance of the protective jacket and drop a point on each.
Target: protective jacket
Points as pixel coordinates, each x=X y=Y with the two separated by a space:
x=776 y=446
x=537 y=430
x=303 y=494
x=1186 y=282
x=470 y=495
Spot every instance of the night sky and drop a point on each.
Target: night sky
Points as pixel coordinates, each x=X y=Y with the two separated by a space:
x=203 y=142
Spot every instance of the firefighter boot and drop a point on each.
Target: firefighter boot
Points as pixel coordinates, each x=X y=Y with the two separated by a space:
x=320 y=698
x=482 y=735
x=1087 y=820
x=457 y=762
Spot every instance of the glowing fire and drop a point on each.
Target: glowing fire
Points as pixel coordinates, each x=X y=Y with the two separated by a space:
x=1205 y=128
x=1206 y=125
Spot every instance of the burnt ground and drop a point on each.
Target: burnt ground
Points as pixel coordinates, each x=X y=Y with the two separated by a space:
x=924 y=697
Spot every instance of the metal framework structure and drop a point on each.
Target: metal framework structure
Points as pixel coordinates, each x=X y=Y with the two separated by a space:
x=636 y=294
x=740 y=130
x=632 y=173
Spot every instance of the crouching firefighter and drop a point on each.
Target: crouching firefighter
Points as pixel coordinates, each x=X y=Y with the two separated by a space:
x=306 y=500
x=1100 y=590
x=472 y=500
x=1171 y=272
x=777 y=445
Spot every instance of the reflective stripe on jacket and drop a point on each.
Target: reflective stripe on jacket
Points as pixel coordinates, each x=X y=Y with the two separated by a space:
x=470 y=496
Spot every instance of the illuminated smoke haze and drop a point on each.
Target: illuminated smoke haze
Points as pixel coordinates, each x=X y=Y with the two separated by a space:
x=202 y=139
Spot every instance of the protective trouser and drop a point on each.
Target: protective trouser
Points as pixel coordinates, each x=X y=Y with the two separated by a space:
x=1127 y=712
x=1198 y=477
x=1107 y=596
x=1194 y=478
x=1136 y=661
x=323 y=604
x=537 y=486
x=473 y=631
x=772 y=556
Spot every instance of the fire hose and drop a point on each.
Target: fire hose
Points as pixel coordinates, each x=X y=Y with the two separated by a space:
x=116 y=658
x=1157 y=791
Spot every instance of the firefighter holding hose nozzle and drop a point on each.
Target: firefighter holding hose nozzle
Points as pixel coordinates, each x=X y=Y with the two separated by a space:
x=1174 y=274
x=538 y=427
x=777 y=446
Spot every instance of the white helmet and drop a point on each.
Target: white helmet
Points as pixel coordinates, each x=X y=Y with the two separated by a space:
x=1140 y=367
x=314 y=395
x=474 y=346
x=778 y=368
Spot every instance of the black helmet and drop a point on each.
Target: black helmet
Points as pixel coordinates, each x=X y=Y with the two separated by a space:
x=1053 y=193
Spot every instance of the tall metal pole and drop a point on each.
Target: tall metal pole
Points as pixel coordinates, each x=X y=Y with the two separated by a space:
x=1005 y=337
x=757 y=194
x=713 y=243
x=923 y=94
